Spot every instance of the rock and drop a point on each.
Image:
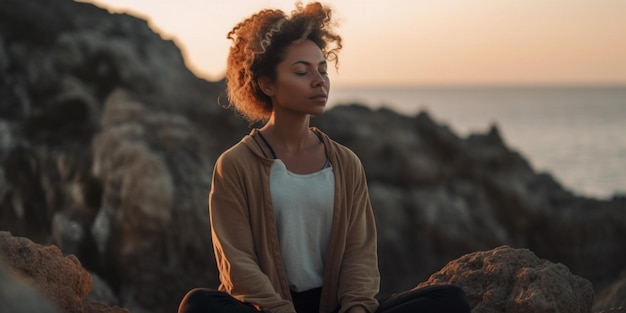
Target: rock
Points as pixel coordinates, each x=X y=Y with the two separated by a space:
x=102 y=292
x=149 y=223
x=67 y=234
x=16 y=296
x=620 y=309
x=106 y=147
x=515 y=280
x=41 y=266
x=60 y=279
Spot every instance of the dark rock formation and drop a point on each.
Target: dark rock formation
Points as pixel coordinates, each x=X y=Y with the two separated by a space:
x=60 y=279
x=106 y=147
x=107 y=143
x=515 y=280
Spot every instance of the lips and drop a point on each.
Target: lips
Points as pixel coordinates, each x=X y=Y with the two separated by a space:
x=319 y=96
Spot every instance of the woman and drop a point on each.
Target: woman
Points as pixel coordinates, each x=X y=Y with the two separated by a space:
x=291 y=220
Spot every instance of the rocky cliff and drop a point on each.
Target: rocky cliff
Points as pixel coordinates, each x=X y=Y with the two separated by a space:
x=107 y=143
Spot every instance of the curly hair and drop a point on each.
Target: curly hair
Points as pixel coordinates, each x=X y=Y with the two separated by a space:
x=259 y=45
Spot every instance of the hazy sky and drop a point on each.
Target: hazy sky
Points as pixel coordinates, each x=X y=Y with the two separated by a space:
x=390 y=42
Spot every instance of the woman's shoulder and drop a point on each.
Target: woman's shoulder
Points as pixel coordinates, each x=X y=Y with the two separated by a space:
x=238 y=153
x=246 y=151
x=233 y=150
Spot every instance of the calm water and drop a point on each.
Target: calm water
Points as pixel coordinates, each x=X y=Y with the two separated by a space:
x=577 y=134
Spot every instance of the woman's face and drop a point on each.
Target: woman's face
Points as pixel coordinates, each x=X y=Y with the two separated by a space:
x=302 y=84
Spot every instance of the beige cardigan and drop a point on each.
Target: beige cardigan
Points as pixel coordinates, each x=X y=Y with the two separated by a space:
x=246 y=244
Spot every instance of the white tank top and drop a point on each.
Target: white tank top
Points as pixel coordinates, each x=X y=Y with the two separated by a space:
x=303 y=208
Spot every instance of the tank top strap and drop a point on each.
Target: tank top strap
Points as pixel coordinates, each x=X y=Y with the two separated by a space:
x=267 y=144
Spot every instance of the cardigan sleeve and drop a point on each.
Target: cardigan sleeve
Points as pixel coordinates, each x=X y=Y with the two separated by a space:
x=359 y=277
x=233 y=241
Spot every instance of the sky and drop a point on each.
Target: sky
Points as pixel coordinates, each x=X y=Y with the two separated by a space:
x=419 y=42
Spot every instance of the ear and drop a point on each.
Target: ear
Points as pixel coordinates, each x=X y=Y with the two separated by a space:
x=266 y=85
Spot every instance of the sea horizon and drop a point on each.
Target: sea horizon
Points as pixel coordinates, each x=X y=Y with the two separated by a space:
x=574 y=132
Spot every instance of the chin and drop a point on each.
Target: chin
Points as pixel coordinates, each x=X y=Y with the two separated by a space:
x=318 y=112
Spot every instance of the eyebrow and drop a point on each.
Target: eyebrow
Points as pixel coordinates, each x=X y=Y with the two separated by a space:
x=309 y=63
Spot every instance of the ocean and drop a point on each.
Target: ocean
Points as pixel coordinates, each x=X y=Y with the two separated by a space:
x=577 y=134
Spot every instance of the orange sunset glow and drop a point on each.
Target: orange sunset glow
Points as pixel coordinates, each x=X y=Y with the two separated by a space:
x=408 y=42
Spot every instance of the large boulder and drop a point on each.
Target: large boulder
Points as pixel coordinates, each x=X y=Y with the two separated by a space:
x=515 y=281
x=16 y=296
x=60 y=279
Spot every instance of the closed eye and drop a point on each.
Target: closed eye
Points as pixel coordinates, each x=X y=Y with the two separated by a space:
x=321 y=67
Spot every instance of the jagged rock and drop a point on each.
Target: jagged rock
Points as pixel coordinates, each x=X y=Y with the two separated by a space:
x=515 y=280
x=60 y=279
x=18 y=297
x=153 y=190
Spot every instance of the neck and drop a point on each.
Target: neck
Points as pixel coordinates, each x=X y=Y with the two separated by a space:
x=288 y=134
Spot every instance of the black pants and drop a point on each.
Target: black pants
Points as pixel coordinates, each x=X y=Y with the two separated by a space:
x=437 y=298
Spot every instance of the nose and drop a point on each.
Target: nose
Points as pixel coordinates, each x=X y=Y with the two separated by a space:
x=320 y=80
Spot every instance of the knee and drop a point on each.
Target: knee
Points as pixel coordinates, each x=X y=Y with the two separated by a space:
x=199 y=293
x=196 y=298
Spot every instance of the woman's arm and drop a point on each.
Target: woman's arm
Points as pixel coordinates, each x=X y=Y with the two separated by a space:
x=359 y=277
x=233 y=241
